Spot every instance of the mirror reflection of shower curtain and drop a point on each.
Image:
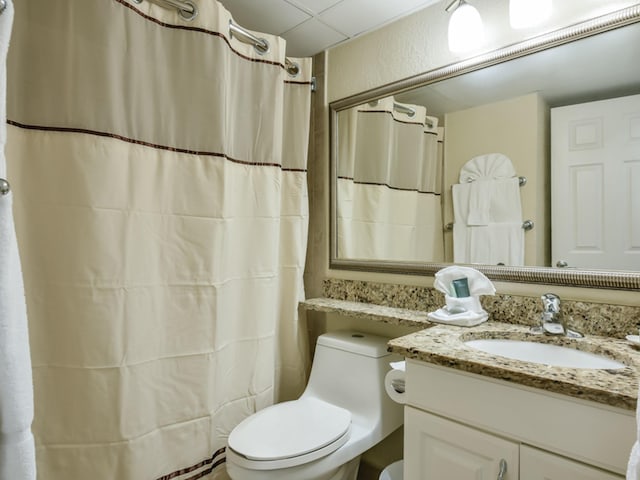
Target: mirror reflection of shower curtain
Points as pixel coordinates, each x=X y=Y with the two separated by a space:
x=388 y=196
x=161 y=209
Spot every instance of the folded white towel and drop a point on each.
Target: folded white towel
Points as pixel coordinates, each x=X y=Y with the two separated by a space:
x=479 y=284
x=479 y=203
x=17 y=451
x=489 y=166
x=464 y=319
x=488 y=222
x=495 y=244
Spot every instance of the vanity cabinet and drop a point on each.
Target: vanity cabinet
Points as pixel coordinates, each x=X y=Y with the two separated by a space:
x=465 y=426
x=436 y=448
x=540 y=465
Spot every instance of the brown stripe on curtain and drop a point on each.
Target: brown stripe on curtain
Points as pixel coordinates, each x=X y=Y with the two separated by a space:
x=93 y=74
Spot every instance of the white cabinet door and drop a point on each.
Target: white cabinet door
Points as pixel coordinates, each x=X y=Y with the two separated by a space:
x=539 y=465
x=440 y=449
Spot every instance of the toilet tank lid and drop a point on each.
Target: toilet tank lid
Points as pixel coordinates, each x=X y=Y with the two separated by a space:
x=355 y=342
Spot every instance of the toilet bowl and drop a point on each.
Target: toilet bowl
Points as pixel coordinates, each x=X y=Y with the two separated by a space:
x=343 y=412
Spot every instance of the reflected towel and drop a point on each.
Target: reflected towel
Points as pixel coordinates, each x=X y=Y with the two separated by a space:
x=491 y=166
x=479 y=202
x=498 y=241
x=17 y=451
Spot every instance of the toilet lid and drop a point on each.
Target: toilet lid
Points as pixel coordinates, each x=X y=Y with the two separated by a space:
x=291 y=429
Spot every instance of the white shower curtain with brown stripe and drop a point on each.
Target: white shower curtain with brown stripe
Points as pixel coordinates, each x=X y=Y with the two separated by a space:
x=159 y=171
x=389 y=183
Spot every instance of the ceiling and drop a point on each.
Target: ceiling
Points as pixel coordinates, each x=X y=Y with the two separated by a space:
x=311 y=26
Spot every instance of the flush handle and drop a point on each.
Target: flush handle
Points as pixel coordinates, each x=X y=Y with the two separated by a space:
x=503 y=469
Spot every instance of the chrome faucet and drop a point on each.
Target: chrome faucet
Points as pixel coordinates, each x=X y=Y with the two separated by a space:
x=552 y=321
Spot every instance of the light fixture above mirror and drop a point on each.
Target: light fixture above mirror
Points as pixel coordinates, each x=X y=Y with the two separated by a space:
x=466 y=30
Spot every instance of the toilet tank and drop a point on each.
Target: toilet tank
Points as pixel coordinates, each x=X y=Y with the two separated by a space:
x=348 y=370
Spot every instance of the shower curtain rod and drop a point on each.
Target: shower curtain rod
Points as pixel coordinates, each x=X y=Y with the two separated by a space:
x=260 y=44
x=410 y=112
x=398 y=107
x=526 y=225
x=189 y=10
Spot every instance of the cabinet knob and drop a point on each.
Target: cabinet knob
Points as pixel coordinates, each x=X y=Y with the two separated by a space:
x=562 y=264
x=503 y=469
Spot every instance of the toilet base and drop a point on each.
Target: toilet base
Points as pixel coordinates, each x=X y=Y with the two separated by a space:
x=348 y=471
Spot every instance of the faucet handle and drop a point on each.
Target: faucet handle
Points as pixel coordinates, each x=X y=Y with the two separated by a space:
x=550 y=303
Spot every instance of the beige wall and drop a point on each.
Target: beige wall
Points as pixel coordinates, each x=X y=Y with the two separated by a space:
x=516 y=131
x=418 y=43
x=410 y=46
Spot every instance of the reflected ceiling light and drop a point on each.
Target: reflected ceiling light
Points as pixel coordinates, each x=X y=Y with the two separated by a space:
x=466 y=30
x=528 y=13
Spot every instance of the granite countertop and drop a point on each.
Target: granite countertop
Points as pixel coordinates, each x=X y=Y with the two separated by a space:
x=444 y=345
x=368 y=311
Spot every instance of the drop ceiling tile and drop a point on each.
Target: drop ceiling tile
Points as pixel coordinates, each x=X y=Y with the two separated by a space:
x=352 y=17
x=311 y=37
x=267 y=16
x=314 y=6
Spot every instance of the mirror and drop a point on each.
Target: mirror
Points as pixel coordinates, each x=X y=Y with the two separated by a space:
x=398 y=150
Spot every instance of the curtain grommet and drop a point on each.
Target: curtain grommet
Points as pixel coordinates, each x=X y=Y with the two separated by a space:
x=186 y=14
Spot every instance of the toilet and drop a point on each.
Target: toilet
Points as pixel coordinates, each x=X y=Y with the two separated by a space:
x=343 y=412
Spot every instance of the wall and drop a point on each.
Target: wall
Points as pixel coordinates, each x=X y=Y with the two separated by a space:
x=418 y=43
x=516 y=131
x=413 y=45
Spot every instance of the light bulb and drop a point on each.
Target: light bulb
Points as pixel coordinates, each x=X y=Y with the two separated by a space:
x=466 y=31
x=528 y=13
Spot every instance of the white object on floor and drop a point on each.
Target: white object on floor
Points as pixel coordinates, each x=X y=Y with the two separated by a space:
x=395 y=471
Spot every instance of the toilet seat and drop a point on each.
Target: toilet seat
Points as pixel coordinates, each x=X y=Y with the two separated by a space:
x=290 y=434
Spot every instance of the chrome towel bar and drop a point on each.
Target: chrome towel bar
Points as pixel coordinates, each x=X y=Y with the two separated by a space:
x=526 y=225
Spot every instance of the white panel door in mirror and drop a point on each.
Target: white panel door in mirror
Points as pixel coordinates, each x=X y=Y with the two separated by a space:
x=595 y=183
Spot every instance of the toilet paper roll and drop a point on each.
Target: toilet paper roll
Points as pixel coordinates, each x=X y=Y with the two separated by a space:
x=394 y=384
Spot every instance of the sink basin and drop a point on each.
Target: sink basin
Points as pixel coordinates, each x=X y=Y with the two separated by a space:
x=544 y=353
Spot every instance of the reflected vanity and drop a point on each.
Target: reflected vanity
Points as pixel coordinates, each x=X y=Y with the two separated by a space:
x=500 y=102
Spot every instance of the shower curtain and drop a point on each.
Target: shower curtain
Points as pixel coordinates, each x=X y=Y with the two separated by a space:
x=389 y=181
x=161 y=209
